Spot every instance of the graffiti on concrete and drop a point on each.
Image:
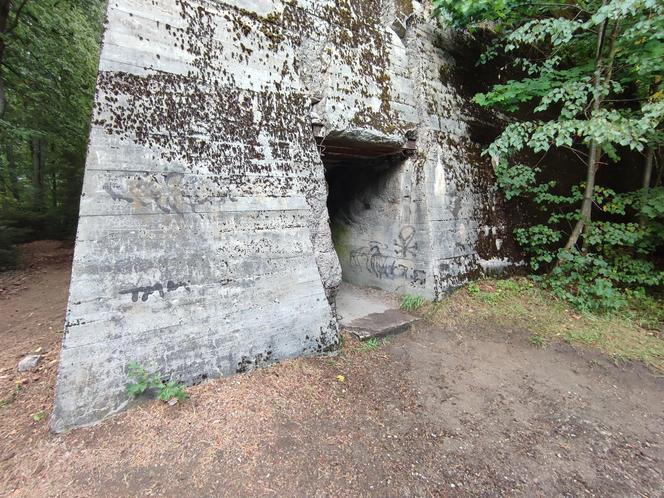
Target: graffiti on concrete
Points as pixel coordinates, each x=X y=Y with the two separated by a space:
x=404 y=246
x=148 y=290
x=164 y=192
x=375 y=258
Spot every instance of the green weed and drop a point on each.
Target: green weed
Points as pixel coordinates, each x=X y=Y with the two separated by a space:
x=370 y=344
x=37 y=417
x=537 y=340
x=473 y=289
x=143 y=382
x=411 y=302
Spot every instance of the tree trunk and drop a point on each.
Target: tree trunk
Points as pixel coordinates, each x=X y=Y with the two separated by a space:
x=594 y=155
x=38 y=170
x=54 y=190
x=5 y=7
x=11 y=171
x=587 y=202
x=647 y=175
x=3 y=188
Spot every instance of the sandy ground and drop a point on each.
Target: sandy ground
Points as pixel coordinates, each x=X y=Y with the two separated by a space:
x=467 y=409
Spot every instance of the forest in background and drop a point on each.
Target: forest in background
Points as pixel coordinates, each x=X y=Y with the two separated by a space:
x=49 y=52
x=579 y=101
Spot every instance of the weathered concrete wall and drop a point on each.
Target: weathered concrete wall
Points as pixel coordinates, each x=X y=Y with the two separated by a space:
x=435 y=220
x=203 y=246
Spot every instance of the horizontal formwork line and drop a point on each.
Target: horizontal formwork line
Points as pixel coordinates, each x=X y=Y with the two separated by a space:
x=294 y=90
x=232 y=284
x=169 y=327
x=210 y=175
x=465 y=255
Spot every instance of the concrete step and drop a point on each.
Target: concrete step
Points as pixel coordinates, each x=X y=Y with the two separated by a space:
x=380 y=324
x=369 y=313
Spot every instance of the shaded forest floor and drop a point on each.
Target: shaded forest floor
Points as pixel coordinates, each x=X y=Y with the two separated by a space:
x=486 y=396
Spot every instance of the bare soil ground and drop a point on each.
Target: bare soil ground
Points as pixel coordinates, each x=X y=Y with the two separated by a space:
x=467 y=407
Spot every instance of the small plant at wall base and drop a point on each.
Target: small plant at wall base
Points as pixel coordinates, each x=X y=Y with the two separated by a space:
x=410 y=302
x=587 y=81
x=142 y=382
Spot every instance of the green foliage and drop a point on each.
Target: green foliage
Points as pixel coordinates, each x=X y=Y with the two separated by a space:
x=473 y=289
x=466 y=13
x=646 y=311
x=171 y=390
x=538 y=242
x=9 y=256
x=615 y=255
x=47 y=76
x=410 y=302
x=142 y=382
x=537 y=340
x=370 y=344
x=38 y=416
x=585 y=75
x=499 y=291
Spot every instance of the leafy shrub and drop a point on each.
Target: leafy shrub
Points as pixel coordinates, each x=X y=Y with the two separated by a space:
x=143 y=382
x=585 y=80
x=615 y=257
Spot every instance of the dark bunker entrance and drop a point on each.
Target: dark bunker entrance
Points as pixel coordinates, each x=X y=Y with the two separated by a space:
x=365 y=208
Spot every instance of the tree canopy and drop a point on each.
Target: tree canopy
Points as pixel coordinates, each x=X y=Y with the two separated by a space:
x=585 y=76
x=48 y=62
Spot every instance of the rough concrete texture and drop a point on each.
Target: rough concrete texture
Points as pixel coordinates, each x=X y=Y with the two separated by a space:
x=427 y=223
x=203 y=246
x=355 y=302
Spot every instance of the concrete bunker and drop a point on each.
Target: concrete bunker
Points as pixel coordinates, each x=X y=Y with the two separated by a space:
x=203 y=245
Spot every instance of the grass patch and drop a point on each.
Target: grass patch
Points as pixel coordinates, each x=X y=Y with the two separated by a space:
x=370 y=344
x=411 y=302
x=538 y=340
x=633 y=334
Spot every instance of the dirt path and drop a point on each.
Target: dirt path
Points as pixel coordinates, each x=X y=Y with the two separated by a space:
x=468 y=410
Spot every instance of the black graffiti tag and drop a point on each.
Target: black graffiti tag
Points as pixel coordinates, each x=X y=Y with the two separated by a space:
x=148 y=290
x=404 y=245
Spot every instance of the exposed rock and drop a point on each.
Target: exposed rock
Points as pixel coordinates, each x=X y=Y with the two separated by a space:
x=29 y=362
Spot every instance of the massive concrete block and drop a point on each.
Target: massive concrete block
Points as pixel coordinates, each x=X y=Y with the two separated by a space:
x=204 y=244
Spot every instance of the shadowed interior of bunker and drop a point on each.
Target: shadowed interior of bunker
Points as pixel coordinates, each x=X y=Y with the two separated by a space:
x=363 y=199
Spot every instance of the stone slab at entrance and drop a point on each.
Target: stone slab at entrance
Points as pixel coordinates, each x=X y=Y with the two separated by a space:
x=370 y=313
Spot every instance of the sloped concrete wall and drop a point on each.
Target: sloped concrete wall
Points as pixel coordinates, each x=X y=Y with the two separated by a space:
x=203 y=246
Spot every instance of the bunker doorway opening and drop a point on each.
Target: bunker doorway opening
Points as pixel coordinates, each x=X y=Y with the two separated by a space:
x=356 y=174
